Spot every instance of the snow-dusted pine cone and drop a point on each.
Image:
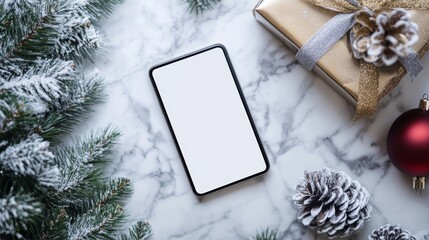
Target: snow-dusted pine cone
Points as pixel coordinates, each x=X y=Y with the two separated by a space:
x=389 y=232
x=332 y=203
x=382 y=39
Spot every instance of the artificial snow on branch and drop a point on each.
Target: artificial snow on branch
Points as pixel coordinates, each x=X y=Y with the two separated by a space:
x=17 y=209
x=52 y=28
x=101 y=223
x=12 y=113
x=267 y=234
x=41 y=85
x=81 y=166
x=49 y=189
x=199 y=6
x=30 y=158
x=140 y=230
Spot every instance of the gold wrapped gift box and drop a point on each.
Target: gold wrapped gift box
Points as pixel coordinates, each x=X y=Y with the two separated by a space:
x=296 y=21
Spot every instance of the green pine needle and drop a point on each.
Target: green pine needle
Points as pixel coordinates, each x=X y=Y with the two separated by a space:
x=16 y=22
x=53 y=29
x=42 y=83
x=200 y=6
x=139 y=231
x=98 y=9
x=114 y=192
x=17 y=210
x=102 y=223
x=16 y=119
x=74 y=109
x=57 y=227
x=266 y=234
x=83 y=161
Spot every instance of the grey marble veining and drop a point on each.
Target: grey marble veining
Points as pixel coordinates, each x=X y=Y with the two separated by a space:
x=303 y=123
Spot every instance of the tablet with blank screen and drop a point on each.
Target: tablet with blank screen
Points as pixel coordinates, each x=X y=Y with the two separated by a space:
x=209 y=119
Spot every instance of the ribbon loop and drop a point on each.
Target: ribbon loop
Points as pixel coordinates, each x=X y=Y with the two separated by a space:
x=324 y=39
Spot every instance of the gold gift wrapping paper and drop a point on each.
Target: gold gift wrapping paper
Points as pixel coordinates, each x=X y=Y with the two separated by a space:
x=296 y=21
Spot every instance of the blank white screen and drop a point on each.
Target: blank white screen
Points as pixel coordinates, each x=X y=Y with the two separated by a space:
x=209 y=120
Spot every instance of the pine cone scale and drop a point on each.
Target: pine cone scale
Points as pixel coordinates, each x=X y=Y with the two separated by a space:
x=316 y=209
x=308 y=220
x=353 y=220
x=321 y=217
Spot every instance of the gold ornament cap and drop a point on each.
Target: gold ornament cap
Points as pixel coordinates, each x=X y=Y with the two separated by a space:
x=419 y=183
x=424 y=102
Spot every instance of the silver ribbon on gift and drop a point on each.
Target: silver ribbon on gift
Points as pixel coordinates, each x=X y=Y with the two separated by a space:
x=332 y=32
x=324 y=39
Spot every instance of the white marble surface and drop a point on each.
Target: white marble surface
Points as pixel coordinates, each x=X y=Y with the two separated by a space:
x=302 y=122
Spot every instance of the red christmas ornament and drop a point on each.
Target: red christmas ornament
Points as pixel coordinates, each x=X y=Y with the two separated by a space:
x=408 y=143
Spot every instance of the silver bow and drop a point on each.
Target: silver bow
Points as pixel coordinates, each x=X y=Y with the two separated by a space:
x=332 y=32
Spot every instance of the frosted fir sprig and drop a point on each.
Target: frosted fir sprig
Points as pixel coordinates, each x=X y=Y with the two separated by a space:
x=17 y=211
x=42 y=84
x=200 y=6
x=74 y=107
x=30 y=158
x=114 y=192
x=83 y=161
x=42 y=96
x=139 y=231
x=267 y=234
x=101 y=223
x=11 y=111
x=55 y=28
x=98 y=9
x=17 y=117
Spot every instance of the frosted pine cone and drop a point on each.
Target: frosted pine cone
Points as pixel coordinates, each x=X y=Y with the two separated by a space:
x=382 y=39
x=388 y=232
x=332 y=203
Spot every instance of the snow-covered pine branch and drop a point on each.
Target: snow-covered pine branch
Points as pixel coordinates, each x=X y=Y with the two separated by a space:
x=101 y=223
x=17 y=209
x=11 y=110
x=30 y=158
x=20 y=104
x=77 y=38
x=83 y=93
x=18 y=20
x=98 y=9
x=199 y=6
x=42 y=84
x=59 y=223
x=71 y=198
x=83 y=160
x=139 y=231
x=10 y=68
x=115 y=192
x=55 y=28
x=74 y=107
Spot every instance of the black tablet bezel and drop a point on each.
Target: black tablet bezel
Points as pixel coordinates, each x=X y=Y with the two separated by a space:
x=237 y=84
